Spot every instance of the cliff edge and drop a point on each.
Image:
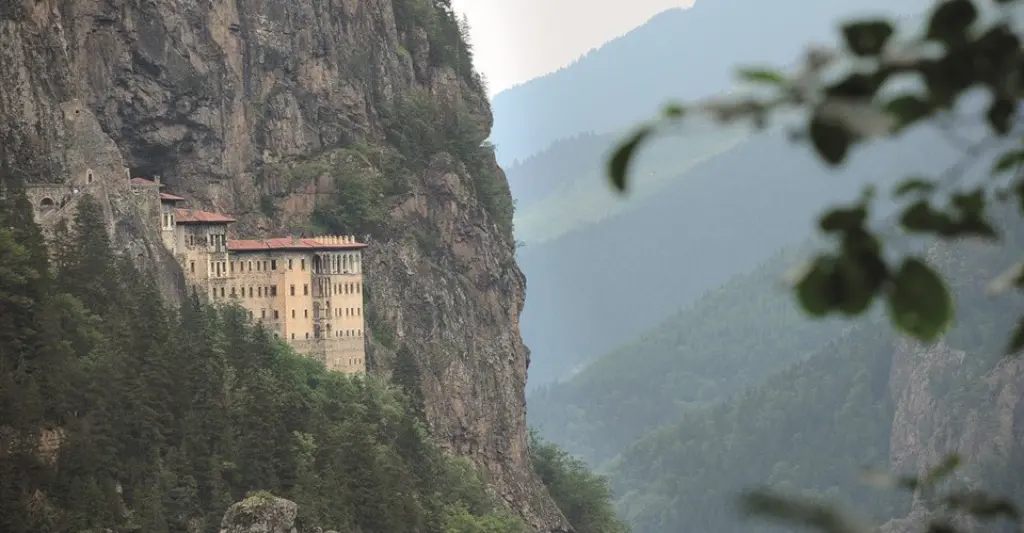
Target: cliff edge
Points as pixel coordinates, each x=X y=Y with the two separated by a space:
x=348 y=116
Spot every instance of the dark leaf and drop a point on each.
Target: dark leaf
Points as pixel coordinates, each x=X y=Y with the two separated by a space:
x=970 y=203
x=796 y=511
x=921 y=218
x=950 y=21
x=861 y=276
x=1016 y=340
x=867 y=38
x=913 y=185
x=941 y=471
x=674 y=111
x=1000 y=113
x=1008 y=161
x=940 y=526
x=857 y=85
x=919 y=302
x=908 y=109
x=760 y=75
x=840 y=219
x=619 y=163
x=831 y=141
x=815 y=288
x=982 y=505
x=974 y=226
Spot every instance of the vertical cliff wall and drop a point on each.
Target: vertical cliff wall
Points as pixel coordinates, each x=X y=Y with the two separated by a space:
x=960 y=395
x=266 y=109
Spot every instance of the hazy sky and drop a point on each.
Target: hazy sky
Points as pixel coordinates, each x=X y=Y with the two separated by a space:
x=516 y=40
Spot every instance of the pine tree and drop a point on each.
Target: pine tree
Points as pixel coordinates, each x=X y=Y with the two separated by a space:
x=406 y=375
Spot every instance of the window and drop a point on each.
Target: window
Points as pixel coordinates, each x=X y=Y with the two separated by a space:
x=305 y=313
x=359 y=287
x=192 y=266
x=292 y=289
x=293 y=336
x=222 y=292
x=307 y=334
x=233 y=292
x=303 y=264
x=250 y=292
x=289 y=264
x=263 y=313
x=305 y=290
x=273 y=290
x=257 y=266
x=259 y=292
x=232 y=266
x=275 y=314
x=293 y=313
x=250 y=266
x=264 y=264
x=273 y=264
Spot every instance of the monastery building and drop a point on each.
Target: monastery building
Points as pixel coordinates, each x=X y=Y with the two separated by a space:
x=308 y=291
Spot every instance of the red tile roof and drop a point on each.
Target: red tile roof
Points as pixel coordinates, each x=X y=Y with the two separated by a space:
x=144 y=181
x=195 y=216
x=290 y=243
x=171 y=197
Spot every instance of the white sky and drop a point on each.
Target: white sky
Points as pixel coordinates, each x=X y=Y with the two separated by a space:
x=516 y=40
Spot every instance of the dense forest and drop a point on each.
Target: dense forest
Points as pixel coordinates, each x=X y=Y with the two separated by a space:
x=741 y=390
x=120 y=413
x=733 y=337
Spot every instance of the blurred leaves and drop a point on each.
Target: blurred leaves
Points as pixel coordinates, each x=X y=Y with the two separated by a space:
x=800 y=511
x=843 y=114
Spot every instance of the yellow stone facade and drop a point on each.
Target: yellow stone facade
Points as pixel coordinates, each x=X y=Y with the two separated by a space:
x=307 y=291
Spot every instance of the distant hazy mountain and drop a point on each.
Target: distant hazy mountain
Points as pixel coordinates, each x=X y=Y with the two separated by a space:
x=602 y=284
x=679 y=53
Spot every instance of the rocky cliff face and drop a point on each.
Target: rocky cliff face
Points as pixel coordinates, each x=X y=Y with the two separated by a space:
x=259 y=108
x=950 y=400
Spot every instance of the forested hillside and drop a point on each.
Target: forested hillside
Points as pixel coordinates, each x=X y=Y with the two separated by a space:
x=603 y=284
x=812 y=427
x=731 y=338
x=120 y=414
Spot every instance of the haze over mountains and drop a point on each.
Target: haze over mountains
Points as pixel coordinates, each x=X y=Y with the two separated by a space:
x=666 y=353
x=602 y=269
x=678 y=54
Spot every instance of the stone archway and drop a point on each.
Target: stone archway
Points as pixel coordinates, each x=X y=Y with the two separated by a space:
x=47 y=204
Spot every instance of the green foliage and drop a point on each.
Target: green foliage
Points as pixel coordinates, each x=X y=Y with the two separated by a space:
x=859 y=107
x=807 y=430
x=447 y=35
x=458 y=519
x=164 y=417
x=582 y=496
x=420 y=128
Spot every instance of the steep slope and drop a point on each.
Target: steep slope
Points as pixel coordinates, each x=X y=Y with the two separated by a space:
x=282 y=112
x=731 y=338
x=678 y=54
x=602 y=284
x=868 y=398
